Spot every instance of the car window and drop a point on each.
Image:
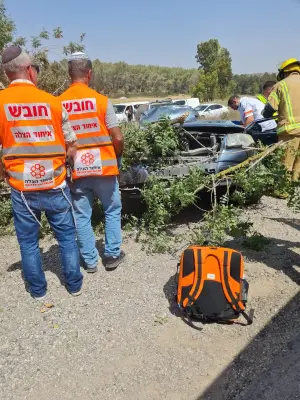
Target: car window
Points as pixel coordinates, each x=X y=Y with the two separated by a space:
x=119 y=109
x=179 y=102
x=211 y=108
x=201 y=108
x=218 y=106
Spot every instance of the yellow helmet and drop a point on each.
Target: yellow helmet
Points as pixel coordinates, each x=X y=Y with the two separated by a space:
x=290 y=65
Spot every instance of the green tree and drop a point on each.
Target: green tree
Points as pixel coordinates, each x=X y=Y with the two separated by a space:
x=7 y=27
x=207 y=55
x=215 y=70
x=207 y=87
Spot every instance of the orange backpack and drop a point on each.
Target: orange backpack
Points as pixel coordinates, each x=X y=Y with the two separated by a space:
x=211 y=285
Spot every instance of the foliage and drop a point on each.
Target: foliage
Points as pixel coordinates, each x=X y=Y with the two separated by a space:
x=6 y=225
x=251 y=84
x=150 y=143
x=256 y=242
x=215 y=71
x=207 y=87
x=7 y=27
x=217 y=224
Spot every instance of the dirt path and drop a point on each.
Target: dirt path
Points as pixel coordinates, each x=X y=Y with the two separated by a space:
x=119 y=339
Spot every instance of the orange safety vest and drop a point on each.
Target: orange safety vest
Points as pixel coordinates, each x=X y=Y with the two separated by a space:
x=87 y=109
x=33 y=145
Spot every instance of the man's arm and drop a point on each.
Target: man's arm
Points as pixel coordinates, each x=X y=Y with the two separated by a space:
x=112 y=125
x=69 y=135
x=248 y=114
x=3 y=175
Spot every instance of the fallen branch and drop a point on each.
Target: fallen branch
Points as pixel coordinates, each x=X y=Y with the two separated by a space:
x=258 y=158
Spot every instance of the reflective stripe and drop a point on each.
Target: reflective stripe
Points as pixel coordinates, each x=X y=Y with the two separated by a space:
x=288 y=102
x=287 y=128
x=109 y=163
x=94 y=140
x=20 y=176
x=275 y=96
x=23 y=150
x=262 y=98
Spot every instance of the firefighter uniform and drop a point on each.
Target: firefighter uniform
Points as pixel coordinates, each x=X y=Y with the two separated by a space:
x=286 y=100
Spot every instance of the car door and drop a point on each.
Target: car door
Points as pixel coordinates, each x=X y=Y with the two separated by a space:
x=211 y=111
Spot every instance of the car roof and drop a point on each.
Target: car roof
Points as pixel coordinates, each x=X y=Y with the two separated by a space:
x=214 y=123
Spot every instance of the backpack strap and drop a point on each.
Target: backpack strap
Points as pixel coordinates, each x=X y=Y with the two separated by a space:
x=198 y=280
x=235 y=303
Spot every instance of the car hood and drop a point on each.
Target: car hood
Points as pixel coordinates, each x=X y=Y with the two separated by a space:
x=214 y=126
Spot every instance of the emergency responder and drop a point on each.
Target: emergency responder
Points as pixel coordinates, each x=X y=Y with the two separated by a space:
x=36 y=137
x=95 y=173
x=266 y=91
x=263 y=97
x=250 y=110
x=285 y=98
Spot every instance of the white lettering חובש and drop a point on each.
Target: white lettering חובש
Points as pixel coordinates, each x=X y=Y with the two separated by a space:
x=80 y=106
x=27 y=111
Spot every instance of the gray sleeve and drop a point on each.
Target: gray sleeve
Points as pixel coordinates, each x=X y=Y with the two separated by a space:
x=110 y=117
x=69 y=134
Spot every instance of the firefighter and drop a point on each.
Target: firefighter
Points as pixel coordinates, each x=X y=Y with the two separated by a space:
x=96 y=169
x=36 y=138
x=285 y=99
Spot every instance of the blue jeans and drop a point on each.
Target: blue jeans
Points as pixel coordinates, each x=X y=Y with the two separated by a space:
x=106 y=188
x=58 y=210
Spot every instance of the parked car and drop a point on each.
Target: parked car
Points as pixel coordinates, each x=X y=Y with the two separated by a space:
x=143 y=108
x=211 y=110
x=192 y=102
x=121 y=109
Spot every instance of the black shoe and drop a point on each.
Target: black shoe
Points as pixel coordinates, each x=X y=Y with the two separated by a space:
x=111 y=263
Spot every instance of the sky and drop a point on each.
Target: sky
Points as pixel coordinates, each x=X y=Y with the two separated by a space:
x=259 y=34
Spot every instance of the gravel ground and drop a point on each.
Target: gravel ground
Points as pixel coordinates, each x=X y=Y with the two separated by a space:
x=120 y=341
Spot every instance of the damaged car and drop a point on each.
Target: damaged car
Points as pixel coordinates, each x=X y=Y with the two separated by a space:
x=212 y=146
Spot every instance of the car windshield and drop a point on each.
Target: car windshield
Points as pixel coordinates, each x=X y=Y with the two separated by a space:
x=119 y=109
x=201 y=108
x=179 y=102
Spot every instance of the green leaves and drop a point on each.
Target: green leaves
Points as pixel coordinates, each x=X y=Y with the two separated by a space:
x=7 y=27
x=215 y=71
x=150 y=143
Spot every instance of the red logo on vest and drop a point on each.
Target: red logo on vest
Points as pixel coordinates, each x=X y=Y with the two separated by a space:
x=37 y=171
x=87 y=159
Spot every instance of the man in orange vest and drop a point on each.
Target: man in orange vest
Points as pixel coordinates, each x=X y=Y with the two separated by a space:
x=36 y=138
x=100 y=146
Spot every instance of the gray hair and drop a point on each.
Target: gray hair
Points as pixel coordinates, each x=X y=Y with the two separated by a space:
x=18 y=64
x=79 y=68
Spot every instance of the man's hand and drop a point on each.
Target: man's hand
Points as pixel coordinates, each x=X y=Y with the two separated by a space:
x=117 y=140
x=249 y=120
x=3 y=174
x=71 y=152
